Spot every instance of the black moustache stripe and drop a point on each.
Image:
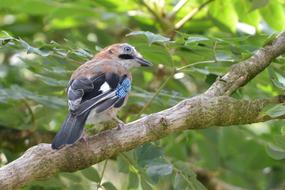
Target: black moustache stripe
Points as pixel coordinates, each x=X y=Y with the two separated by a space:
x=126 y=56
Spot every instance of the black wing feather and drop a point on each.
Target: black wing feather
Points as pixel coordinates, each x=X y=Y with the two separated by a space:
x=120 y=102
x=94 y=98
x=84 y=95
x=97 y=82
x=106 y=104
x=112 y=79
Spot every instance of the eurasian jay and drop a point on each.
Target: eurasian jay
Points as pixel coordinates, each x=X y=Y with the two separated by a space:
x=97 y=90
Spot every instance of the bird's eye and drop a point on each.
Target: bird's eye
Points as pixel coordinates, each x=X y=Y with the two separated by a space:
x=127 y=49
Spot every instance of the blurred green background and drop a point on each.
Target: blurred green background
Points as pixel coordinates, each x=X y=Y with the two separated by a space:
x=190 y=42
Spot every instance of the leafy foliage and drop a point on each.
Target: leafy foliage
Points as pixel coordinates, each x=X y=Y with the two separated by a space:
x=42 y=42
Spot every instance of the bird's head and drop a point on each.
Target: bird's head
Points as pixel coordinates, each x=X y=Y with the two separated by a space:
x=124 y=53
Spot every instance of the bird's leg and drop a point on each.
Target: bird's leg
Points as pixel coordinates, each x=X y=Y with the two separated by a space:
x=84 y=137
x=120 y=123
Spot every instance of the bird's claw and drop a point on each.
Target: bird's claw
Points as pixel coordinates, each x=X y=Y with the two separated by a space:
x=120 y=125
x=84 y=138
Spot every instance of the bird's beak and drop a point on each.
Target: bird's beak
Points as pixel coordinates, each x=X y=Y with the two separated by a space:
x=143 y=62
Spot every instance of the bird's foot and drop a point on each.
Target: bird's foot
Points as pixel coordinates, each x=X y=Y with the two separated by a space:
x=120 y=124
x=84 y=138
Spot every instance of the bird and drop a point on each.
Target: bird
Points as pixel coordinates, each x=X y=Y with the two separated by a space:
x=97 y=90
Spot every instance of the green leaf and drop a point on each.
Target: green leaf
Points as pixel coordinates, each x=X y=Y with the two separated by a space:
x=154 y=53
x=186 y=183
x=276 y=111
x=52 y=82
x=31 y=49
x=280 y=141
x=83 y=53
x=146 y=153
x=91 y=174
x=180 y=183
x=155 y=170
x=151 y=37
x=185 y=177
x=245 y=14
x=275 y=152
x=277 y=79
x=195 y=39
x=133 y=181
x=49 y=183
x=256 y=4
x=270 y=39
x=145 y=185
x=5 y=38
x=75 y=187
x=18 y=93
x=109 y=186
x=283 y=130
x=224 y=13
x=274 y=15
x=72 y=177
x=122 y=165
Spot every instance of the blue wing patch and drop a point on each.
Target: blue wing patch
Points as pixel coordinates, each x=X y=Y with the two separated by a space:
x=123 y=88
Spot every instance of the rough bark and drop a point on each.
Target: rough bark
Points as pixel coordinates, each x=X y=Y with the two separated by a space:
x=206 y=110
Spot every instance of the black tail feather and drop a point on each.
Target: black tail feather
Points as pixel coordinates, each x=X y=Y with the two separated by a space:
x=70 y=131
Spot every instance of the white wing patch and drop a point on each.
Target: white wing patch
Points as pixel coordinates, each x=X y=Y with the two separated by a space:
x=105 y=87
x=73 y=105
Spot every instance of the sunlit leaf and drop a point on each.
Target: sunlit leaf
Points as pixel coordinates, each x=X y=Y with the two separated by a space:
x=274 y=15
x=223 y=12
x=152 y=38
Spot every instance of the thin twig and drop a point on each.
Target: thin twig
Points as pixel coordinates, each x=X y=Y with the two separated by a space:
x=156 y=16
x=202 y=62
x=155 y=94
x=102 y=174
x=177 y=8
x=214 y=50
x=190 y=15
x=33 y=118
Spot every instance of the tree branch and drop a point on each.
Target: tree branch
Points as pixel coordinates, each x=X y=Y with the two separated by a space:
x=40 y=161
x=207 y=110
x=243 y=72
